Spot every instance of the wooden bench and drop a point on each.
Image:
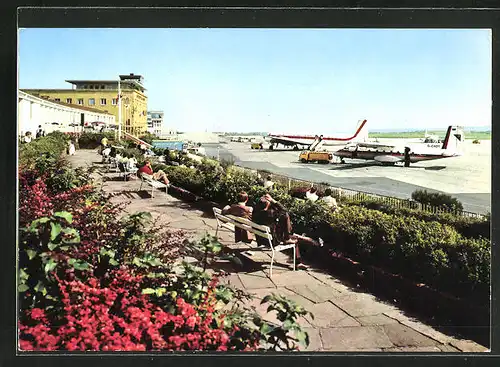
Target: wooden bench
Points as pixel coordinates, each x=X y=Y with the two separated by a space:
x=153 y=183
x=230 y=222
x=126 y=171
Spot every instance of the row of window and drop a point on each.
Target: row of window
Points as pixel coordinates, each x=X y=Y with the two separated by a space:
x=80 y=101
x=91 y=86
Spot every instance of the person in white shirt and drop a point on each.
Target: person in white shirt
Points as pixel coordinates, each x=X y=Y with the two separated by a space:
x=329 y=200
x=27 y=137
x=311 y=194
x=71 y=148
x=268 y=184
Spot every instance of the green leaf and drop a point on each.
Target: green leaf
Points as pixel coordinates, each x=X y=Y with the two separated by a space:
x=40 y=288
x=160 y=291
x=81 y=265
x=65 y=215
x=113 y=262
x=137 y=262
x=31 y=254
x=148 y=291
x=265 y=328
x=51 y=265
x=74 y=236
x=55 y=230
x=303 y=338
x=22 y=288
x=266 y=299
x=23 y=274
x=287 y=325
x=51 y=245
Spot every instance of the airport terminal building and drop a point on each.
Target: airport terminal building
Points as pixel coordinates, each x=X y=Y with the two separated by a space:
x=102 y=95
x=33 y=111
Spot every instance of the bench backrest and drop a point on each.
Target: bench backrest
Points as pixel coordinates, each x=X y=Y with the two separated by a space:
x=246 y=224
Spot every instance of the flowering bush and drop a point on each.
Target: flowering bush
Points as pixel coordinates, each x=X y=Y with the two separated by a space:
x=76 y=251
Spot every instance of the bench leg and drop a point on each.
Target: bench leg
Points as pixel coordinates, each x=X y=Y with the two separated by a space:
x=140 y=188
x=152 y=189
x=271 y=270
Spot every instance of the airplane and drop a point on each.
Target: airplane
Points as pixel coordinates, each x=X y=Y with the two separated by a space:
x=389 y=154
x=308 y=140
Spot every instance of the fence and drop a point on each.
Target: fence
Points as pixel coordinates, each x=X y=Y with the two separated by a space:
x=342 y=192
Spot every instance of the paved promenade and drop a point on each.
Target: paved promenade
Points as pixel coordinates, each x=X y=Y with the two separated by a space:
x=344 y=318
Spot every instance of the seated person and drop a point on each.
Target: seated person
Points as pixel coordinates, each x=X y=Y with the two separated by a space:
x=270 y=213
x=268 y=183
x=311 y=194
x=240 y=210
x=329 y=199
x=158 y=176
x=106 y=153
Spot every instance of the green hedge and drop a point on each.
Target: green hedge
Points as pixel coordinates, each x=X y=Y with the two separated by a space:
x=437 y=199
x=56 y=143
x=467 y=226
x=89 y=140
x=403 y=241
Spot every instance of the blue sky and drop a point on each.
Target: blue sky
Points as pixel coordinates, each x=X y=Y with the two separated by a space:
x=313 y=81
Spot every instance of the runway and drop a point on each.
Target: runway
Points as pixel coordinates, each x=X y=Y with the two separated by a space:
x=468 y=178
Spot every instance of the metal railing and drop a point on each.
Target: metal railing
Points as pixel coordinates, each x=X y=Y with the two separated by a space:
x=340 y=192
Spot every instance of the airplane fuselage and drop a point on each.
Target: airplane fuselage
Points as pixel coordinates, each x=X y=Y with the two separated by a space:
x=392 y=156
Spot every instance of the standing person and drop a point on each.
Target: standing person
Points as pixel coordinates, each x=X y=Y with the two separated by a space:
x=240 y=209
x=329 y=199
x=158 y=176
x=271 y=213
x=39 y=132
x=268 y=183
x=71 y=148
x=407 y=157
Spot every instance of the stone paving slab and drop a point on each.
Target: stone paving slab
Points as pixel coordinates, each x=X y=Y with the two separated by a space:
x=345 y=320
x=403 y=336
x=355 y=338
x=316 y=293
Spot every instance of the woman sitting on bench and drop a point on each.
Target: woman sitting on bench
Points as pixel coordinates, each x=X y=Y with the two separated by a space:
x=243 y=211
x=270 y=213
x=158 y=176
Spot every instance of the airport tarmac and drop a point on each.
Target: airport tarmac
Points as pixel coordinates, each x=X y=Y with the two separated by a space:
x=468 y=177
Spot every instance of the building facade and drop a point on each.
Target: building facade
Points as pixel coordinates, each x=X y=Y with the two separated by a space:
x=103 y=95
x=155 y=122
x=34 y=111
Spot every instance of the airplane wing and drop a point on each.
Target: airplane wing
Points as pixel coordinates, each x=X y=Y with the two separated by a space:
x=287 y=141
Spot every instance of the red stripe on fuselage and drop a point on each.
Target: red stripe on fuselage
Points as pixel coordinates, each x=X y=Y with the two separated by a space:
x=314 y=137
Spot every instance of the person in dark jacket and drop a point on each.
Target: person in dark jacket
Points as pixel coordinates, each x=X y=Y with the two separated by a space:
x=273 y=214
x=240 y=209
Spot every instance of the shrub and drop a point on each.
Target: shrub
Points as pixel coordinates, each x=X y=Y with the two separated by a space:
x=53 y=145
x=474 y=227
x=437 y=199
x=430 y=248
x=476 y=141
x=132 y=300
x=148 y=137
x=90 y=140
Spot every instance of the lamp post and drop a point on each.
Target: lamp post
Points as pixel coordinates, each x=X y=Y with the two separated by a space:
x=119 y=112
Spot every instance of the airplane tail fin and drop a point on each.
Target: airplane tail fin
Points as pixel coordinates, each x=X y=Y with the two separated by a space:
x=454 y=139
x=361 y=132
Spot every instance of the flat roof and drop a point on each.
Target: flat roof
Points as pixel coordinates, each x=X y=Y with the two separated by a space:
x=105 y=82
